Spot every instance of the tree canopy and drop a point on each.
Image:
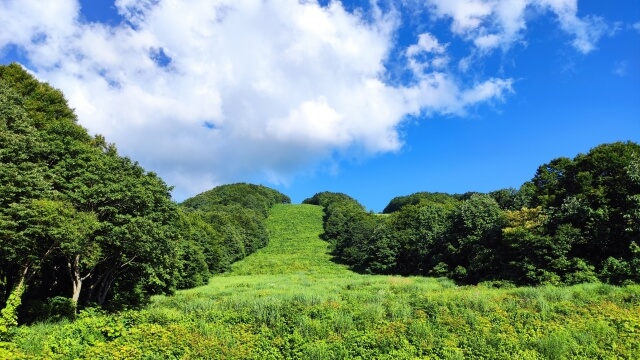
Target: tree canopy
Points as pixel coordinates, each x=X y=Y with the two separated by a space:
x=81 y=222
x=576 y=220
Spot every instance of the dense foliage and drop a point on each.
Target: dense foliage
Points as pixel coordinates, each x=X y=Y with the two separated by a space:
x=327 y=198
x=253 y=197
x=81 y=225
x=576 y=221
x=77 y=220
x=289 y=301
x=227 y=223
x=421 y=198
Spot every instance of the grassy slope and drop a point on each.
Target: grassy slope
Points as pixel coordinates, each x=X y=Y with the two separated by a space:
x=294 y=246
x=289 y=300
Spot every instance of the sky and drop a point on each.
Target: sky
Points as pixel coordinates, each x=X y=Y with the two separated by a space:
x=374 y=99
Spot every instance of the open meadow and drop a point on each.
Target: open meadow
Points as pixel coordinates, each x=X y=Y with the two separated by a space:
x=290 y=301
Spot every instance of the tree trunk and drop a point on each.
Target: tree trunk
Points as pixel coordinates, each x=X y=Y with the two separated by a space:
x=76 y=279
x=106 y=286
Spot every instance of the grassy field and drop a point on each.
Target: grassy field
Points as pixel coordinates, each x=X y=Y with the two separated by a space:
x=290 y=301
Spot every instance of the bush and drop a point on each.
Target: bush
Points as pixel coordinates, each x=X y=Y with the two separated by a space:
x=53 y=309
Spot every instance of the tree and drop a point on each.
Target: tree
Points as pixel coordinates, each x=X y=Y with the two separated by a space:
x=72 y=211
x=255 y=197
x=507 y=199
x=67 y=233
x=472 y=243
x=535 y=257
x=23 y=177
x=632 y=214
x=549 y=182
x=421 y=198
x=349 y=228
x=411 y=235
x=595 y=195
x=204 y=235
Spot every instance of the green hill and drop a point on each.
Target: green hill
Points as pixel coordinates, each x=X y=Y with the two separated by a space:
x=290 y=301
x=294 y=246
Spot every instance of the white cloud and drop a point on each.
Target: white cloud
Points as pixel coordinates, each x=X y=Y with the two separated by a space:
x=213 y=91
x=439 y=92
x=426 y=54
x=467 y=15
x=251 y=87
x=492 y=24
x=487 y=41
x=426 y=43
x=636 y=26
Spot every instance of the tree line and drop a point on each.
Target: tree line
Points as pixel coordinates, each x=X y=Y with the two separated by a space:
x=577 y=220
x=81 y=225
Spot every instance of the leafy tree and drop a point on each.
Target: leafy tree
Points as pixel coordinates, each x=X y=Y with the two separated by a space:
x=349 y=228
x=421 y=198
x=596 y=194
x=576 y=221
x=193 y=270
x=23 y=177
x=632 y=213
x=326 y=198
x=412 y=232
x=202 y=234
x=44 y=104
x=255 y=197
x=536 y=257
x=381 y=250
x=79 y=220
x=67 y=233
x=72 y=211
x=473 y=238
x=549 y=182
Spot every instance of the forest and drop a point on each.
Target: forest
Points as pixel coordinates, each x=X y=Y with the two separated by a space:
x=577 y=220
x=81 y=225
x=87 y=234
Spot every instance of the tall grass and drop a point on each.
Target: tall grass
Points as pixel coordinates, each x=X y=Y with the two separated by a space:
x=290 y=301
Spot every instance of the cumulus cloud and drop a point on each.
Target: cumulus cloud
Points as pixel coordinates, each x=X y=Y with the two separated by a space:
x=213 y=91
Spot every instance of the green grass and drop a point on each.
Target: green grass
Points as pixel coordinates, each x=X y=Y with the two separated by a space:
x=290 y=301
x=294 y=246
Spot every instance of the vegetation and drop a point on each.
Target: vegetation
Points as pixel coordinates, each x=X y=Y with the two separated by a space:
x=421 y=198
x=81 y=225
x=257 y=198
x=575 y=221
x=327 y=198
x=93 y=252
x=76 y=219
x=290 y=301
x=227 y=223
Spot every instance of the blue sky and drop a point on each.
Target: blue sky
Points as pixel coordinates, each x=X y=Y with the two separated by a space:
x=373 y=99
